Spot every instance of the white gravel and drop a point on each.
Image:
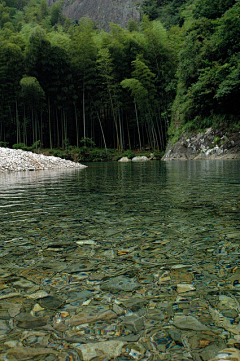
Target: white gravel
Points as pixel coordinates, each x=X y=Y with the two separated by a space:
x=19 y=160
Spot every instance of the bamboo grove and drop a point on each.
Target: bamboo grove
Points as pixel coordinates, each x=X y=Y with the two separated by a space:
x=62 y=82
x=65 y=82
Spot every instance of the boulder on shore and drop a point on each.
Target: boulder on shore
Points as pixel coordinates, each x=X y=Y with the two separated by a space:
x=124 y=159
x=140 y=159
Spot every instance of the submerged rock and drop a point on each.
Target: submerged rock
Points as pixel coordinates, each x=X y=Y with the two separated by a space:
x=189 y=323
x=228 y=354
x=108 y=349
x=120 y=283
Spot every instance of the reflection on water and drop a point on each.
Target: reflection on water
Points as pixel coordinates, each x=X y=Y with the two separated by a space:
x=139 y=196
x=171 y=226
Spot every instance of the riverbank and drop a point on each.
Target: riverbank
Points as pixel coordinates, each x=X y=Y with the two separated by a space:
x=20 y=160
x=211 y=144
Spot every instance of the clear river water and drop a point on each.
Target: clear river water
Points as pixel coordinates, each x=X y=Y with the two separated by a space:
x=124 y=253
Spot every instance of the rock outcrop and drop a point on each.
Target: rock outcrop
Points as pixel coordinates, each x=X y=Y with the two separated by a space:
x=102 y=12
x=211 y=144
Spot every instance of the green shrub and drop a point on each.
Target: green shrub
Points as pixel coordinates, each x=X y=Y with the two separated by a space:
x=128 y=153
x=88 y=142
x=20 y=146
x=216 y=140
x=4 y=144
x=35 y=145
x=23 y=146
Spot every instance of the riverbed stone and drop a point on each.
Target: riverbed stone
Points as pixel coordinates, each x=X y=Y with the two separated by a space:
x=189 y=323
x=86 y=317
x=27 y=321
x=120 y=283
x=185 y=287
x=109 y=349
x=51 y=302
x=133 y=322
x=228 y=354
x=135 y=303
x=4 y=327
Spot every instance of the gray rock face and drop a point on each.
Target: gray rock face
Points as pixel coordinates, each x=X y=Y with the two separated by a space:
x=210 y=144
x=102 y=12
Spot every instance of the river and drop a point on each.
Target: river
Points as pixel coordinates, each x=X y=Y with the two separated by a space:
x=143 y=245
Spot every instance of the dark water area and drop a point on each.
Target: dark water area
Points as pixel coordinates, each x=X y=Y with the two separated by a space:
x=106 y=196
x=116 y=192
x=171 y=228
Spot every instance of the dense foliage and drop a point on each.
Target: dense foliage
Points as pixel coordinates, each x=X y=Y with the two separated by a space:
x=208 y=72
x=66 y=82
x=63 y=82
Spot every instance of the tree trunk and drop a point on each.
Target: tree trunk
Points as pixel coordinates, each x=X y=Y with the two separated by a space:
x=100 y=123
x=49 y=124
x=139 y=137
x=76 y=123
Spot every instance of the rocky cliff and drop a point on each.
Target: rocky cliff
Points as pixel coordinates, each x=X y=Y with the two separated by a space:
x=102 y=12
x=211 y=144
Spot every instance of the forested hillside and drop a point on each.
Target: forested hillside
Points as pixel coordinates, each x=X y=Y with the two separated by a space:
x=67 y=82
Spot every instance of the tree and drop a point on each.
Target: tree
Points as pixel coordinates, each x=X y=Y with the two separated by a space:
x=83 y=53
x=109 y=88
x=50 y=65
x=11 y=68
x=33 y=96
x=56 y=13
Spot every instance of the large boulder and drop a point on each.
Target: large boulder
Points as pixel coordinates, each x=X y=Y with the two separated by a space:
x=124 y=159
x=140 y=159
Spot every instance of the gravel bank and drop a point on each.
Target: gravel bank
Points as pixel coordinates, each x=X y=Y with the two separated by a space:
x=20 y=160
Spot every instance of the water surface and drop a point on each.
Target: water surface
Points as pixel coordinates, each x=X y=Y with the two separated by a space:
x=112 y=196
x=172 y=230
